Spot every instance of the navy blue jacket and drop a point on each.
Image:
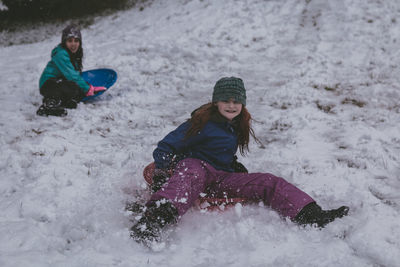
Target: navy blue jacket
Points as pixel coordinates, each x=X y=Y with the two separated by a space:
x=216 y=144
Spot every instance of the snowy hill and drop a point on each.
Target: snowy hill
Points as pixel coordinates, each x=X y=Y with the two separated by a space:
x=323 y=86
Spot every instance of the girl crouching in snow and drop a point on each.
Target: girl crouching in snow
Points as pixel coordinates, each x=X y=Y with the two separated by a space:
x=201 y=153
x=61 y=84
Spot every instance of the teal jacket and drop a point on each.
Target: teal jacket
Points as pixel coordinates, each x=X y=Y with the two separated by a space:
x=60 y=66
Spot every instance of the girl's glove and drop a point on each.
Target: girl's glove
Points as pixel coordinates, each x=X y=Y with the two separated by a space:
x=238 y=167
x=159 y=178
x=95 y=89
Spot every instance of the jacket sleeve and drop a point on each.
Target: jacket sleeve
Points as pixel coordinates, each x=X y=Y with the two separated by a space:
x=63 y=63
x=173 y=144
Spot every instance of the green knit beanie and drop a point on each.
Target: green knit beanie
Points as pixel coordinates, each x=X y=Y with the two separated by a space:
x=229 y=88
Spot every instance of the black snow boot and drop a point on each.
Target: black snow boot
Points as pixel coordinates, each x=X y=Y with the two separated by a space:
x=51 y=107
x=70 y=103
x=313 y=214
x=155 y=217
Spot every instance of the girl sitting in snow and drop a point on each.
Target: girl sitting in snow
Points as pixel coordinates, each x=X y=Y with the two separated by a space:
x=61 y=84
x=201 y=153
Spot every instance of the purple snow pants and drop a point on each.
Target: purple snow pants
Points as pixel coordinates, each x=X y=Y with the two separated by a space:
x=193 y=176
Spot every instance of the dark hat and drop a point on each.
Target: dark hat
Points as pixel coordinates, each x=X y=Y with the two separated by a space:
x=229 y=88
x=71 y=31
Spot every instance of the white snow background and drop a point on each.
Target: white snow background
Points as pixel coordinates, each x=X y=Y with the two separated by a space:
x=322 y=81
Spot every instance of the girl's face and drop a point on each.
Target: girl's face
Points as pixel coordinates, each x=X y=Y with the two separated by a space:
x=73 y=44
x=229 y=109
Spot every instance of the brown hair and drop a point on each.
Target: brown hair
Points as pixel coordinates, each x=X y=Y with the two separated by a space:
x=241 y=124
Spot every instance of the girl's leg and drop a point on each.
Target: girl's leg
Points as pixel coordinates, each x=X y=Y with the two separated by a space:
x=68 y=92
x=52 y=104
x=274 y=191
x=282 y=196
x=183 y=188
x=174 y=198
x=71 y=94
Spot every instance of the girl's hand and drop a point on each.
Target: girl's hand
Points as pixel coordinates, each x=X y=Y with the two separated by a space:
x=95 y=89
x=159 y=178
x=239 y=167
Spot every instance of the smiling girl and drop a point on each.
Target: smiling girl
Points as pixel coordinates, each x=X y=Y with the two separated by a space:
x=61 y=84
x=201 y=153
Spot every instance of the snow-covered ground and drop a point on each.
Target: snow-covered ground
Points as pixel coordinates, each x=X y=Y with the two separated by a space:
x=323 y=81
x=2 y=6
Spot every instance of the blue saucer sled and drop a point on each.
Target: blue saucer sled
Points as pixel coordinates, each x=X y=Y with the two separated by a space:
x=99 y=77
